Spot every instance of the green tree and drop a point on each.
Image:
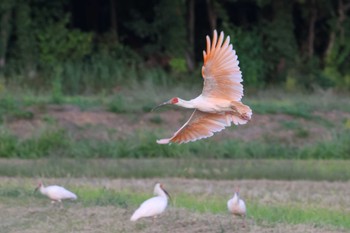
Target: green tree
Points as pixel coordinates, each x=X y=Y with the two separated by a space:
x=337 y=55
x=166 y=32
x=57 y=43
x=25 y=42
x=6 y=7
x=280 y=47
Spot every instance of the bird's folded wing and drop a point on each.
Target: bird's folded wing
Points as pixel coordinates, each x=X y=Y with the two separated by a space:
x=200 y=125
x=221 y=73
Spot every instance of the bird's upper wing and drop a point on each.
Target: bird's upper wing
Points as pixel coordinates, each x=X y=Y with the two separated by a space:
x=221 y=73
x=150 y=207
x=202 y=125
x=61 y=193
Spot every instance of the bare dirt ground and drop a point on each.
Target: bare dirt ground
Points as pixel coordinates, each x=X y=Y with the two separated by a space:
x=39 y=216
x=110 y=219
x=101 y=124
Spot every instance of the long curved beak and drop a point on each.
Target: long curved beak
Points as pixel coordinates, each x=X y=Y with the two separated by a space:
x=36 y=189
x=160 y=105
x=167 y=194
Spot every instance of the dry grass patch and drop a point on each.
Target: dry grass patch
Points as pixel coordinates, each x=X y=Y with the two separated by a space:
x=323 y=194
x=75 y=218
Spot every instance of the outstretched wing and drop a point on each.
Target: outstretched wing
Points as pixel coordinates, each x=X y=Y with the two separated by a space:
x=221 y=73
x=202 y=125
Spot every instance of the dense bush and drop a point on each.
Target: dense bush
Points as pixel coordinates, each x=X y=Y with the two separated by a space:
x=93 y=48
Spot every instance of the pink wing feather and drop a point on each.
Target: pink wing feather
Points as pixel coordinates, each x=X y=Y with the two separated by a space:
x=222 y=80
x=221 y=73
x=202 y=125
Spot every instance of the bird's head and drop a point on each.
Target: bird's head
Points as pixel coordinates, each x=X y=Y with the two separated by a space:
x=38 y=187
x=174 y=100
x=161 y=186
x=158 y=187
x=236 y=191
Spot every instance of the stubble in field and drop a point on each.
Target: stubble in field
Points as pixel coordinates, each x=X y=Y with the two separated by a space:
x=22 y=211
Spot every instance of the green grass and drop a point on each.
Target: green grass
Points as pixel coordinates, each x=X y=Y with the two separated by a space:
x=300 y=214
x=279 y=100
x=289 y=107
x=52 y=141
x=332 y=170
x=12 y=109
x=103 y=197
x=40 y=145
x=275 y=213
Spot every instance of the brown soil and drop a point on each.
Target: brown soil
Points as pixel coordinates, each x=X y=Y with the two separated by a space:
x=107 y=219
x=104 y=125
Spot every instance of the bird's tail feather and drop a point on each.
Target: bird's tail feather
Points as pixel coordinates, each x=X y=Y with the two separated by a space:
x=244 y=113
x=163 y=141
x=134 y=217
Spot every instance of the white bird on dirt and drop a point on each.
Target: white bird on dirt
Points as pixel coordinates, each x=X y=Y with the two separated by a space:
x=153 y=206
x=236 y=206
x=55 y=193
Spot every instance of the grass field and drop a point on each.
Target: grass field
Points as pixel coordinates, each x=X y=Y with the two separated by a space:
x=291 y=163
x=106 y=202
x=105 y=205
x=200 y=168
x=284 y=126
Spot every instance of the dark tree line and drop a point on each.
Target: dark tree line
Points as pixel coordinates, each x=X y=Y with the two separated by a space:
x=295 y=42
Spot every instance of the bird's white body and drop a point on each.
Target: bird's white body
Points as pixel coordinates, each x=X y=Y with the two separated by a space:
x=206 y=104
x=153 y=206
x=236 y=206
x=56 y=193
x=219 y=104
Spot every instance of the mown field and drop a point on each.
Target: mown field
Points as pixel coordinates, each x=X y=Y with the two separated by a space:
x=290 y=163
x=105 y=205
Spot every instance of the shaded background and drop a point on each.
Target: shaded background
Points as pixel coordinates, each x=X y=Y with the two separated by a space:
x=92 y=45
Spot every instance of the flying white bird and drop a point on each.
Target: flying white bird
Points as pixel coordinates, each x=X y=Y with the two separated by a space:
x=55 y=193
x=153 y=206
x=220 y=102
x=236 y=206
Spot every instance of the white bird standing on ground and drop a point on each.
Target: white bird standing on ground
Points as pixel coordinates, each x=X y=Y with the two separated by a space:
x=236 y=206
x=55 y=193
x=153 y=206
x=220 y=102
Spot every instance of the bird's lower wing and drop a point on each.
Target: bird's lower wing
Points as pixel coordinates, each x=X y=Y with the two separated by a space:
x=202 y=125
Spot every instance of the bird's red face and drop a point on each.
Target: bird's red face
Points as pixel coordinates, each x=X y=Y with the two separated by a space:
x=174 y=100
